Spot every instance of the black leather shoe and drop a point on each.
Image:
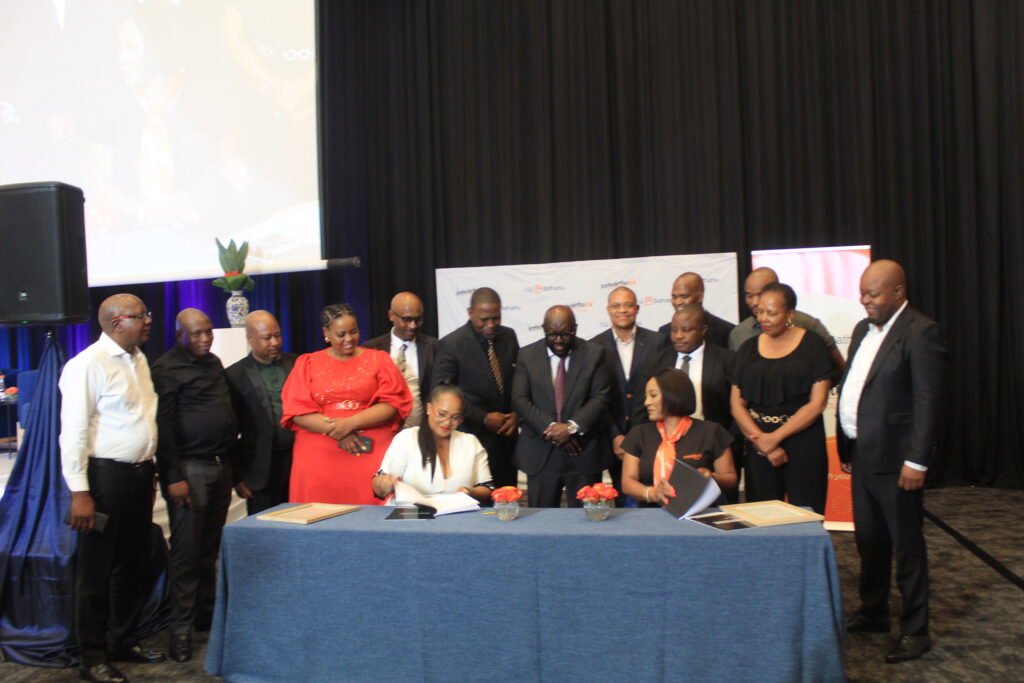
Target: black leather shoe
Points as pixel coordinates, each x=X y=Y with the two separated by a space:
x=858 y=623
x=136 y=654
x=908 y=648
x=181 y=648
x=102 y=673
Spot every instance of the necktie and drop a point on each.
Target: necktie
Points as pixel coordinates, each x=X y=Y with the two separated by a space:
x=559 y=388
x=401 y=360
x=685 y=367
x=492 y=359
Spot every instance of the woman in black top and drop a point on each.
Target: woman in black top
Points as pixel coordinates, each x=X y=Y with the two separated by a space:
x=780 y=387
x=672 y=437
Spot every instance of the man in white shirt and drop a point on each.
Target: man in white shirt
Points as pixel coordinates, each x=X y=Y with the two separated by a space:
x=411 y=349
x=107 y=441
x=890 y=404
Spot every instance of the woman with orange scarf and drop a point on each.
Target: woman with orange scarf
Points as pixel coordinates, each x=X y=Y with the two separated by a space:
x=672 y=437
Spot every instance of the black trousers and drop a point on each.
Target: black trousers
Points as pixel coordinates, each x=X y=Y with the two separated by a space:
x=544 y=489
x=888 y=521
x=500 y=450
x=111 y=567
x=195 y=541
x=275 y=491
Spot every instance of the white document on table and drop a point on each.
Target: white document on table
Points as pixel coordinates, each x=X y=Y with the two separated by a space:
x=443 y=503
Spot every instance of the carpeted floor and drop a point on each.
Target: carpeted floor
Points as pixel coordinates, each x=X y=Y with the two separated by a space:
x=977 y=612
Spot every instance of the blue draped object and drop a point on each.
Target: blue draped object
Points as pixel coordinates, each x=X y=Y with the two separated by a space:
x=37 y=549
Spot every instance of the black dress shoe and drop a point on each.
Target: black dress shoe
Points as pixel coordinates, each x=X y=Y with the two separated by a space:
x=136 y=654
x=858 y=623
x=907 y=648
x=181 y=648
x=102 y=673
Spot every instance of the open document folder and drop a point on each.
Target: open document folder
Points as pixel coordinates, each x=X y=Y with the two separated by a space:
x=443 y=503
x=695 y=493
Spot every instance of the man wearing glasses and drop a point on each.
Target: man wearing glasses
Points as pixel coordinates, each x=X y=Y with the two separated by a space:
x=107 y=441
x=627 y=346
x=560 y=392
x=412 y=351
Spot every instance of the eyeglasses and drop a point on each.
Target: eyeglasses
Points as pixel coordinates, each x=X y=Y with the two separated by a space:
x=560 y=335
x=445 y=418
x=409 y=320
x=140 y=316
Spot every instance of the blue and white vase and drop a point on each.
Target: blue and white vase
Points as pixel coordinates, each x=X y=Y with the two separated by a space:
x=237 y=309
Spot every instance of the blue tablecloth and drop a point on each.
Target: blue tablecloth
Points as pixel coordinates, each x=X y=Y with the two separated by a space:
x=547 y=597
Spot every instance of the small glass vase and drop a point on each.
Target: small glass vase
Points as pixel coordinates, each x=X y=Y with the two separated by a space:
x=598 y=510
x=237 y=308
x=507 y=511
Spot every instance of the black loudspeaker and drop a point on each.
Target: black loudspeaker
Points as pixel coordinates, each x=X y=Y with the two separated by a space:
x=43 y=278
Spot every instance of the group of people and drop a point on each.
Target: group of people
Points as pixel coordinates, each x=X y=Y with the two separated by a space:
x=468 y=412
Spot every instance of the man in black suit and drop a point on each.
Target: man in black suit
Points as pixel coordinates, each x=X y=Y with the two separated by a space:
x=889 y=412
x=708 y=365
x=688 y=288
x=627 y=346
x=479 y=358
x=262 y=461
x=561 y=392
x=412 y=351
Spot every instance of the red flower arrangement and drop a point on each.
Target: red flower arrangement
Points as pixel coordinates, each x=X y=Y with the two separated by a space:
x=597 y=492
x=506 y=494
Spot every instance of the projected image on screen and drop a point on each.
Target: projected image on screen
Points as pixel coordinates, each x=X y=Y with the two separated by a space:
x=181 y=121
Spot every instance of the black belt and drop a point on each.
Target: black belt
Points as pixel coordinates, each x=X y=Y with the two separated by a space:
x=119 y=464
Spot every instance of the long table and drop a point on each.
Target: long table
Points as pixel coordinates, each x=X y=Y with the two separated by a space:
x=550 y=596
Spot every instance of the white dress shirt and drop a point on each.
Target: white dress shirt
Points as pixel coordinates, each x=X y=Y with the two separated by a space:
x=696 y=375
x=108 y=409
x=412 y=358
x=853 y=385
x=625 y=349
x=467 y=463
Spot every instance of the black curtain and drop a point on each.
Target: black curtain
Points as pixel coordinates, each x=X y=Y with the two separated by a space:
x=466 y=133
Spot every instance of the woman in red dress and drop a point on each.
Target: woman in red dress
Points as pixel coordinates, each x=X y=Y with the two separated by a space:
x=332 y=400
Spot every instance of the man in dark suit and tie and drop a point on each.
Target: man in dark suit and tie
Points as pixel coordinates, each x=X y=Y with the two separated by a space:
x=627 y=346
x=890 y=404
x=263 y=458
x=688 y=288
x=561 y=393
x=708 y=365
x=412 y=351
x=479 y=358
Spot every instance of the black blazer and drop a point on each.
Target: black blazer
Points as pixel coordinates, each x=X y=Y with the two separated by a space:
x=901 y=404
x=626 y=394
x=715 y=380
x=718 y=331
x=585 y=402
x=256 y=423
x=426 y=348
x=462 y=361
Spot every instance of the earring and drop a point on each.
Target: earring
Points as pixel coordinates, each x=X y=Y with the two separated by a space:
x=789 y=323
x=326 y=340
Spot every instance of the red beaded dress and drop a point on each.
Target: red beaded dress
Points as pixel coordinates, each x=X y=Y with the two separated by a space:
x=320 y=383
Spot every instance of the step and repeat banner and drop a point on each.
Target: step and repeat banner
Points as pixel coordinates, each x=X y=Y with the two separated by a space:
x=527 y=291
x=827 y=284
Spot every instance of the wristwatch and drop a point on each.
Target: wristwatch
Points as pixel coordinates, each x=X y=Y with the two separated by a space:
x=573 y=427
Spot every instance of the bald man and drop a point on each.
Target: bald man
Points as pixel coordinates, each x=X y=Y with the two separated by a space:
x=198 y=431
x=411 y=349
x=749 y=328
x=688 y=289
x=890 y=405
x=262 y=461
x=560 y=392
x=107 y=440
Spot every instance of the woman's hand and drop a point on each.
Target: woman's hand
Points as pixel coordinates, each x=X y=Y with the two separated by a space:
x=350 y=444
x=778 y=457
x=339 y=429
x=662 y=491
x=384 y=485
x=765 y=443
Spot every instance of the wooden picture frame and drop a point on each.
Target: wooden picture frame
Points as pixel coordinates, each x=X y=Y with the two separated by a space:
x=308 y=513
x=771 y=513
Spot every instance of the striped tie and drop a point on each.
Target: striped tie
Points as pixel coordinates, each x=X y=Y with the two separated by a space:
x=492 y=358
